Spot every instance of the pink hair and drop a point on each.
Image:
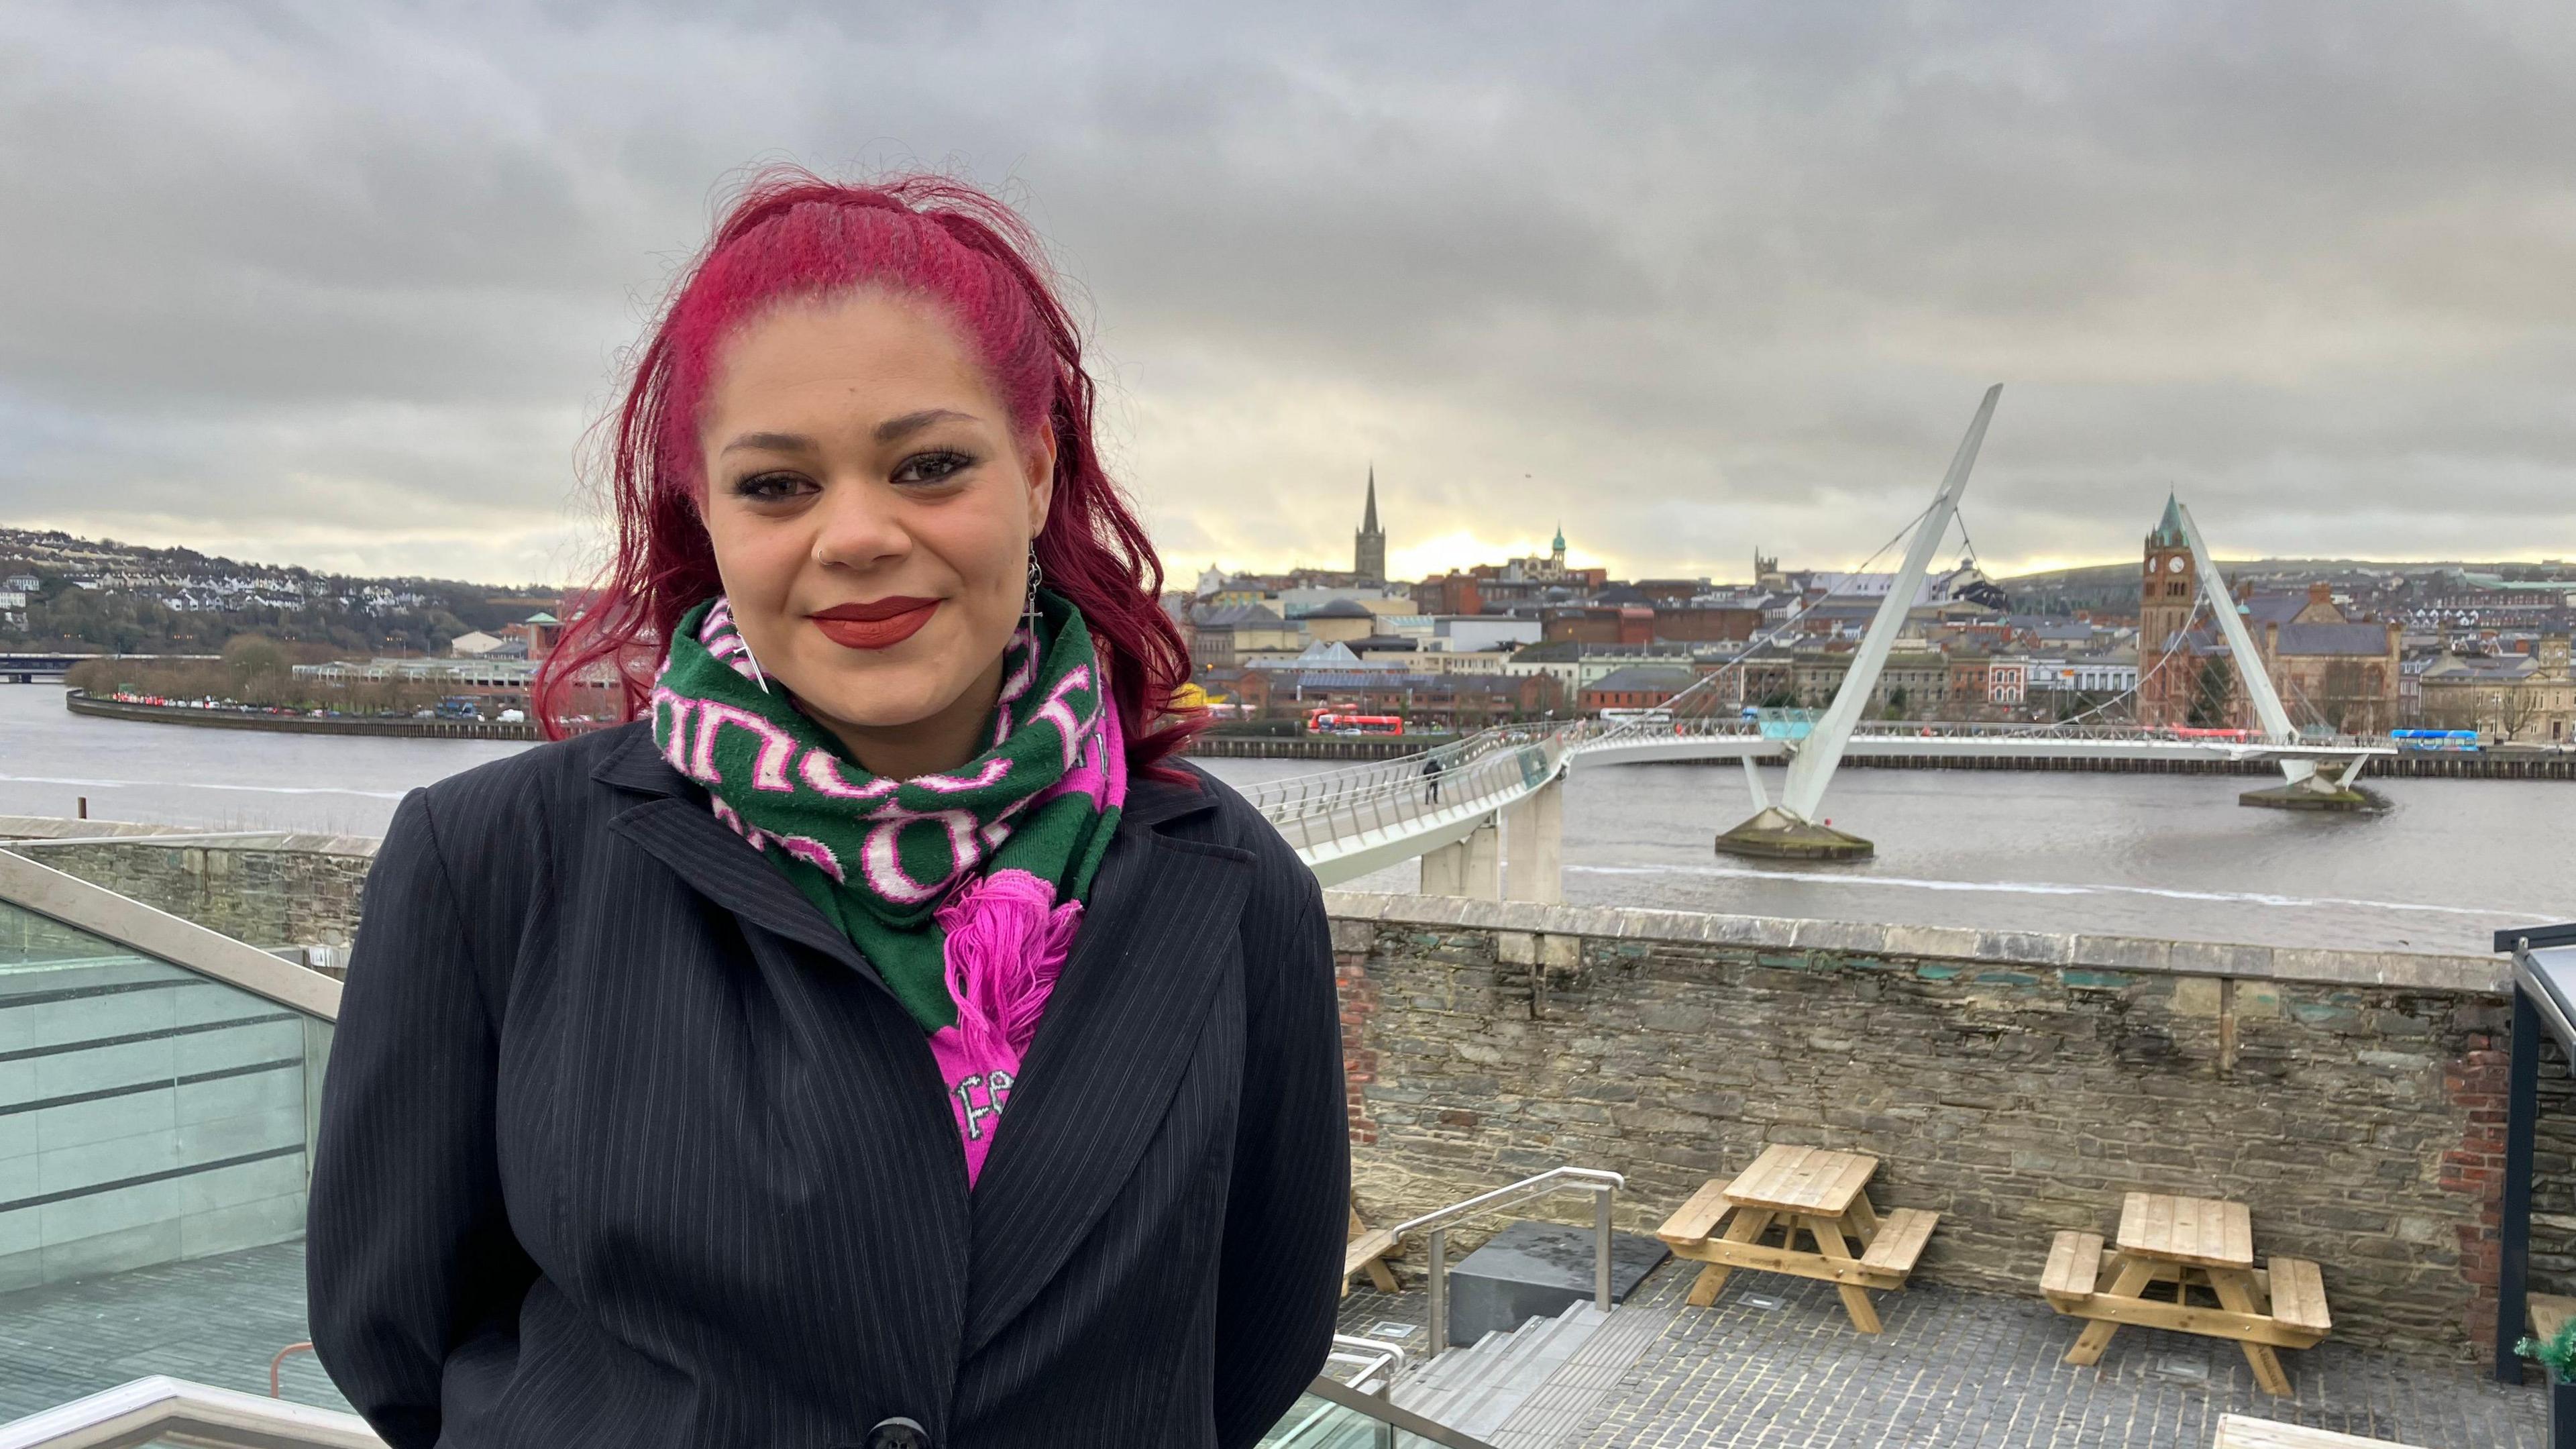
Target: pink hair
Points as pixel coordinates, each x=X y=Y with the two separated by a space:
x=790 y=235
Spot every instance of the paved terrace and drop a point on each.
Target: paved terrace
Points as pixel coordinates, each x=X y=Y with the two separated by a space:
x=1776 y=1365
x=1954 y=1369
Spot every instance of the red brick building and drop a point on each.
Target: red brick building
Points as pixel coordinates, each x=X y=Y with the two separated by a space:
x=1639 y=686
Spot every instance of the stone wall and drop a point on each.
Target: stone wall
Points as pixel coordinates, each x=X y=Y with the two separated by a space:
x=2018 y=1084
x=292 y=893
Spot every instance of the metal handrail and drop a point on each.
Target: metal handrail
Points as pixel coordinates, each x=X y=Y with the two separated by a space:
x=151 y=1409
x=1394 y=1417
x=1385 y=799
x=148 y=1410
x=1602 y=1184
x=1373 y=1354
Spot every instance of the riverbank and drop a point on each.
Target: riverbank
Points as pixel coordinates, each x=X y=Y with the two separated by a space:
x=2504 y=764
x=381 y=727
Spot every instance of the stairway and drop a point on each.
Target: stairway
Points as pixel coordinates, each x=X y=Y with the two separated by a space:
x=1475 y=1389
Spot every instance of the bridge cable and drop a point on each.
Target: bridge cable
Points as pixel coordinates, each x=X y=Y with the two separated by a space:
x=2133 y=691
x=1754 y=646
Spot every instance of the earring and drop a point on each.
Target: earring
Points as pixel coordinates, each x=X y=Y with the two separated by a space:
x=1037 y=576
x=753 y=660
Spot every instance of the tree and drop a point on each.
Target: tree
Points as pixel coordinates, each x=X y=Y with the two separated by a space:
x=2350 y=697
x=252 y=658
x=2211 y=691
x=1896 y=699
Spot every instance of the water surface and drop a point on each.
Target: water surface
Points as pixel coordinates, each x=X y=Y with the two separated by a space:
x=2149 y=855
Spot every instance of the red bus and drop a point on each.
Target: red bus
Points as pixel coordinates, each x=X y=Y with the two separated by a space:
x=1331 y=722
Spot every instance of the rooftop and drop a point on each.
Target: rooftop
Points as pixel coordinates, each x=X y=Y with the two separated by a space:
x=1646 y=677
x=2366 y=641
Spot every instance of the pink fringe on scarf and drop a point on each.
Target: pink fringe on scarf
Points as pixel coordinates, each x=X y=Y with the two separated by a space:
x=1007 y=943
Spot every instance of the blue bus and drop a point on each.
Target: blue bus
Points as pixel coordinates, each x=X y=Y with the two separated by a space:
x=2460 y=741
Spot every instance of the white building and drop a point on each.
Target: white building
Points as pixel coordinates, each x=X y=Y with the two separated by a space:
x=1480 y=633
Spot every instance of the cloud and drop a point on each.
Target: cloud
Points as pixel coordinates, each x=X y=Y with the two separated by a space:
x=344 y=283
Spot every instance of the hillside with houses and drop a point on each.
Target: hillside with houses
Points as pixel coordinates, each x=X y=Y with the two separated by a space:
x=59 y=591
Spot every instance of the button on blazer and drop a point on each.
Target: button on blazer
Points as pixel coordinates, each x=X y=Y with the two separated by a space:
x=623 y=1144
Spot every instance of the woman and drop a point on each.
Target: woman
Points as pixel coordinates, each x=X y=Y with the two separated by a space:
x=882 y=1040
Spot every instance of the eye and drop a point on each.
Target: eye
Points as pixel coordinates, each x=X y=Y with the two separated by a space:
x=940 y=465
x=770 y=487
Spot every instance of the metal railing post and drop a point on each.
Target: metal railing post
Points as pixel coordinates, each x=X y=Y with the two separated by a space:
x=1439 y=1293
x=1601 y=1249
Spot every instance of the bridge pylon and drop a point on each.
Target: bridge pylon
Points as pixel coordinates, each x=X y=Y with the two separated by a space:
x=1791 y=829
x=2307 y=788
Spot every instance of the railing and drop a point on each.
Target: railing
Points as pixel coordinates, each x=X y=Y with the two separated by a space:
x=1603 y=1186
x=1386 y=796
x=1379 y=1363
x=1385 y=799
x=1336 y=1416
x=159 y=1410
x=166 y=1410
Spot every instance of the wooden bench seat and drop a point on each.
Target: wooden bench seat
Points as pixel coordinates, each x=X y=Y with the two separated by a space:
x=1899 y=1241
x=1694 y=1220
x=1367 y=1247
x=2075 y=1262
x=2548 y=1313
x=2298 y=1293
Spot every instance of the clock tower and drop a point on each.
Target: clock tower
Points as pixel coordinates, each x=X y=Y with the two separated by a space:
x=2168 y=590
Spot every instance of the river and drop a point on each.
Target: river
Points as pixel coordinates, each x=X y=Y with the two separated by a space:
x=2145 y=855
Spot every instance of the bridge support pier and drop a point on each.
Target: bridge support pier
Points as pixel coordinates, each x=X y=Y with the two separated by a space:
x=2309 y=788
x=1471 y=867
x=1775 y=834
x=1534 y=846
x=2316 y=792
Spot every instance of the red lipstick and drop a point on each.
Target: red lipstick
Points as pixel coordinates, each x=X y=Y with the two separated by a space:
x=877 y=624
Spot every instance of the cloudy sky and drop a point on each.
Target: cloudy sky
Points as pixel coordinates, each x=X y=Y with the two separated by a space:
x=342 y=284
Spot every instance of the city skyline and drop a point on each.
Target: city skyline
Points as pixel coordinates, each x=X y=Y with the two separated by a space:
x=347 y=291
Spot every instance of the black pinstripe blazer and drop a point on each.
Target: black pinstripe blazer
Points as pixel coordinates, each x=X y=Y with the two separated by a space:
x=623 y=1144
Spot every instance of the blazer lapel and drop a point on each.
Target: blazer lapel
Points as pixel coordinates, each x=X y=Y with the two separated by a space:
x=1110 y=1051
x=677 y=828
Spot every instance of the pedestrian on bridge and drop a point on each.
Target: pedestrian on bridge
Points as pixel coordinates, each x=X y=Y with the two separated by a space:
x=1431 y=768
x=884 y=1038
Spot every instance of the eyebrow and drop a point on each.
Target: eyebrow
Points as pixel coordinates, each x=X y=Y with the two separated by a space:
x=894 y=428
x=773 y=442
x=891 y=430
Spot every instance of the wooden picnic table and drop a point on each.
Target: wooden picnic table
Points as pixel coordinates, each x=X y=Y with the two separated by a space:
x=2187 y=1242
x=1792 y=1190
x=2236 y=1431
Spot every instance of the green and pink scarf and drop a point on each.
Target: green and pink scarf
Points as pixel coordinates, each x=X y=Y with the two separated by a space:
x=963 y=889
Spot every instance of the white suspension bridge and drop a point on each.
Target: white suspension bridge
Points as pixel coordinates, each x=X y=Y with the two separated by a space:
x=1484 y=814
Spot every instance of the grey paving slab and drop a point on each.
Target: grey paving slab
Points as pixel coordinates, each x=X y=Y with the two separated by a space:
x=1959 y=1370
x=215 y=1320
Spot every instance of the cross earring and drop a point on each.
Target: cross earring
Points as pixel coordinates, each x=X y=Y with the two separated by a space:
x=1037 y=576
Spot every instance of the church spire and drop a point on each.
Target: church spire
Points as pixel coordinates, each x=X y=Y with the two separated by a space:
x=1368 y=550
x=2168 y=532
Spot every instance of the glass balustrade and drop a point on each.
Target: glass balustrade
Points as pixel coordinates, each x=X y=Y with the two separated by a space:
x=162 y=1411
x=148 y=1113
